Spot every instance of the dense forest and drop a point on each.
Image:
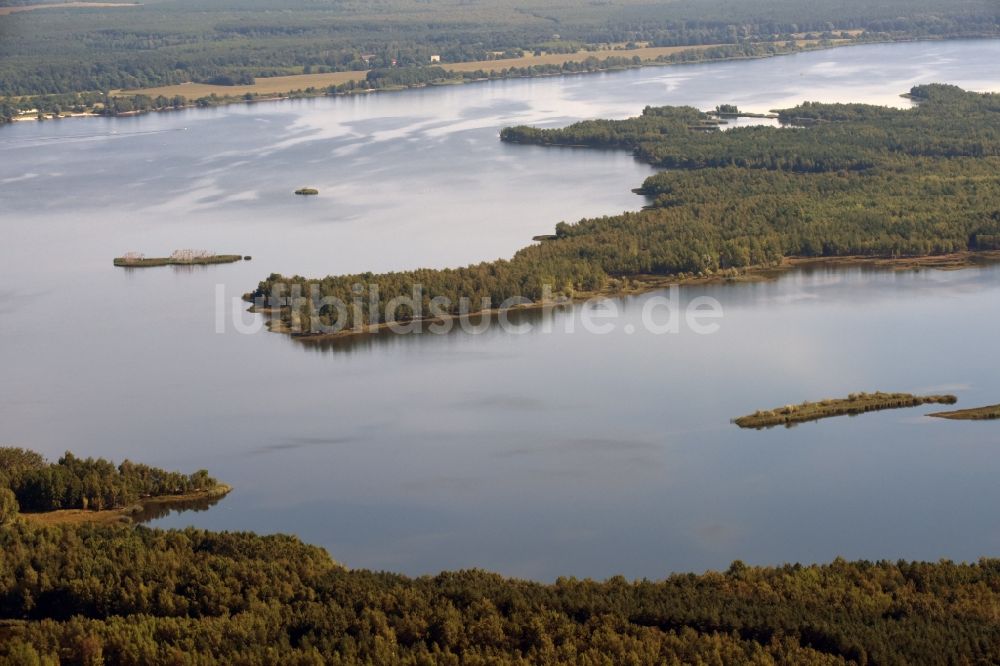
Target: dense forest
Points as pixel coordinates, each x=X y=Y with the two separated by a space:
x=131 y=595
x=76 y=483
x=62 y=50
x=858 y=180
x=839 y=137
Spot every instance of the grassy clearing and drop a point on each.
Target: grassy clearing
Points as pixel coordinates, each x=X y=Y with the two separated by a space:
x=272 y=85
x=282 y=85
x=277 y=85
x=646 y=53
x=856 y=403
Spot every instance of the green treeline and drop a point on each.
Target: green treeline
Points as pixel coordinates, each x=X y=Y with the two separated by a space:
x=406 y=76
x=115 y=594
x=375 y=79
x=860 y=180
x=51 y=105
x=96 y=484
x=415 y=76
x=62 y=50
x=7 y=112
x=840 y=137
x=99 y=103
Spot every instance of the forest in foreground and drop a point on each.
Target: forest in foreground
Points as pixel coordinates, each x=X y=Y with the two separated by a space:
x=116 y=594
x=97 y=593
x=839 y=180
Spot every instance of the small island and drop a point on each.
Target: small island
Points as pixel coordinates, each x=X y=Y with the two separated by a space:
x=87 y=490
x=989 y=413
x=856 y=403
x=307 y=191
x=178 y=258
x=733 y=111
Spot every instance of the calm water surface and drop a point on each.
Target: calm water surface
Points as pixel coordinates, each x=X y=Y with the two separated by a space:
x=534 y=455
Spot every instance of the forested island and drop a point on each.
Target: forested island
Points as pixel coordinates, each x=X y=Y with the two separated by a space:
x=78 y=59
x=856 y=403
x=76 y=490
x=865 y=182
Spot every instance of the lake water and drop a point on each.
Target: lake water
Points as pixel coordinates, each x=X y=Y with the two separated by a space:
x=533 y=455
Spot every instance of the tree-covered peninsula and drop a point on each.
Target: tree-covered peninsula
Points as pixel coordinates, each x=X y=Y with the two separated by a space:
x=839 y=180
x=30 y=483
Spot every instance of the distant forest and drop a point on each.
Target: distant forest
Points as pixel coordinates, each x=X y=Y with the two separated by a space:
x=856 y=180
x=142 y=597
x=381 y=78
x=63 y=50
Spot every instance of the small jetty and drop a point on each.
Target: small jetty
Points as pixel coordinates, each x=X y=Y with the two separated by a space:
x=856 y=403
x=178 y=258
x=990 y=413
x=307 y=191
